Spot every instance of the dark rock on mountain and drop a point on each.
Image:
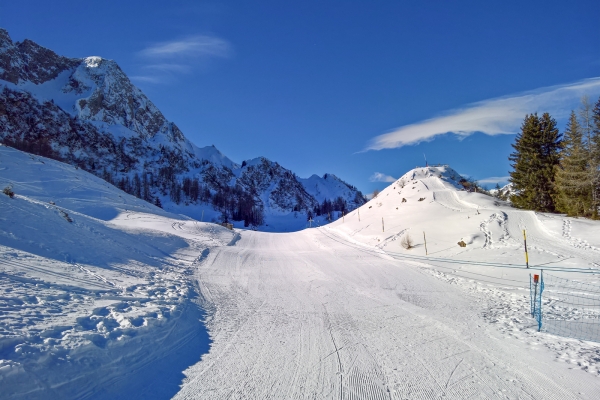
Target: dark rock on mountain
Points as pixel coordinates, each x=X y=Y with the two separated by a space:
x=86 y=112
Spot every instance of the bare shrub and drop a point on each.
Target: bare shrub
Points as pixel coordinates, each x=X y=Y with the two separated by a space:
x=8 y=191
x=65 y=216
x=407 y=242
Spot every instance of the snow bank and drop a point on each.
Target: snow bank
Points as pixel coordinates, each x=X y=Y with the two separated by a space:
x=95 y=285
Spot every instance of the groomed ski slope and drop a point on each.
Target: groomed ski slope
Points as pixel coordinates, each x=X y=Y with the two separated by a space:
x=112 y=304
x=343 y=311
x=304 y=315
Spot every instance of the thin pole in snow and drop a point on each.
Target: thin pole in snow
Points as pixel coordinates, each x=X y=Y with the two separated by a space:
x=525 y=243
x=382 y=225
x=359 y=215
x=425 y=239
x=202 y=218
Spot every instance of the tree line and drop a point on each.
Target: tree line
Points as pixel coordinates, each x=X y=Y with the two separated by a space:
x=558 y=172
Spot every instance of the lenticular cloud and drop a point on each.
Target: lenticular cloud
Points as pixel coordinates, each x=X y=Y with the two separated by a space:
x=491 y=117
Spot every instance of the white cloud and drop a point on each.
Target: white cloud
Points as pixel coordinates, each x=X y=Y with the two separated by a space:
x=141 y=78
x=492 y=117
x=165 y=60
x=168 y=67
x=494 y=179
x=193 y=46
x=379 y=177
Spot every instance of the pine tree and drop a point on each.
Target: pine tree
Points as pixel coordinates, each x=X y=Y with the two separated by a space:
x=522 y=159
x=595 y=159
x=573 y=174
x=535 y=157
x=137 y=186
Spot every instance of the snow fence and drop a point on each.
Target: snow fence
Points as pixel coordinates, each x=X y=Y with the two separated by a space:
x=565 y=307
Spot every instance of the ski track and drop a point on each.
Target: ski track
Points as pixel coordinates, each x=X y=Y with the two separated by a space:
x=290 y=318
x=506 y=227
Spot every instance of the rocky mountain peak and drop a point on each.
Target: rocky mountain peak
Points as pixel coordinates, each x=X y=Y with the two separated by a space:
x=93 y=61
x=5 y=39
x=107 y=95
x=87 y=112
x=28 y=61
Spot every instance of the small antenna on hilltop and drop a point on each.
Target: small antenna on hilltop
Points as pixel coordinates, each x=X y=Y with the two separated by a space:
x=425 y=160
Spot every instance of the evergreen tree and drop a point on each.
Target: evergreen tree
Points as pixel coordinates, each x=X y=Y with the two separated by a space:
x=595 y=159
x=137 y=186
x=573 y=174
x=534 y=160
x=175 y=192
x=146 y=188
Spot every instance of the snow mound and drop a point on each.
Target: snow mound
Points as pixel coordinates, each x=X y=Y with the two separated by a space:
x=430 y=204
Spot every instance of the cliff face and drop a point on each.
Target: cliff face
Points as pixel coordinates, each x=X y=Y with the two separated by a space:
x=28 y=61
x=86 y=111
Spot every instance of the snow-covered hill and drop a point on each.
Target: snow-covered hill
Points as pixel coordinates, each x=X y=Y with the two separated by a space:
x=91 y=276
x=87 y=113
x=431 y=204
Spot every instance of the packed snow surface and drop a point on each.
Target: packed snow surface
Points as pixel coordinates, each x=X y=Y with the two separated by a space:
x=100 y=295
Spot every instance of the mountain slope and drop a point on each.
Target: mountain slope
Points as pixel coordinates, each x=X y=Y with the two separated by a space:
x=88 y=113
x=91 y=279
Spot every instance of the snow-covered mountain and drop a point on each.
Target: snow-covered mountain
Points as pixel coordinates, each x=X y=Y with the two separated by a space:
x=504 y=192
x=86 y=112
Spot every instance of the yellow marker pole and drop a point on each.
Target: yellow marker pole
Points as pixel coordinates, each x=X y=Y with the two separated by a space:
x=525 y=242
x=425 y=239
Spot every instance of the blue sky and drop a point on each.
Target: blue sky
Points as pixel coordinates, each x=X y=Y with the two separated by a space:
x=354 y=88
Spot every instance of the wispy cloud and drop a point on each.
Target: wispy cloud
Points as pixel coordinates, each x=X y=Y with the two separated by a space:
x=193 y=46
x=142 y=78
x=494 y=179
x=166 y=67
x=502 y=115
x=163 y=61
x=379 y=177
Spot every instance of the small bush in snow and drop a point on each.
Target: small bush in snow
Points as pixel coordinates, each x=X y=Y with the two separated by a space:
x=8 y=191
x=462 y=243
x=65 y=216
x=406 y=242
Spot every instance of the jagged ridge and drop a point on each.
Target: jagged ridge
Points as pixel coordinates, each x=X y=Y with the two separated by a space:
x=88 y=113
